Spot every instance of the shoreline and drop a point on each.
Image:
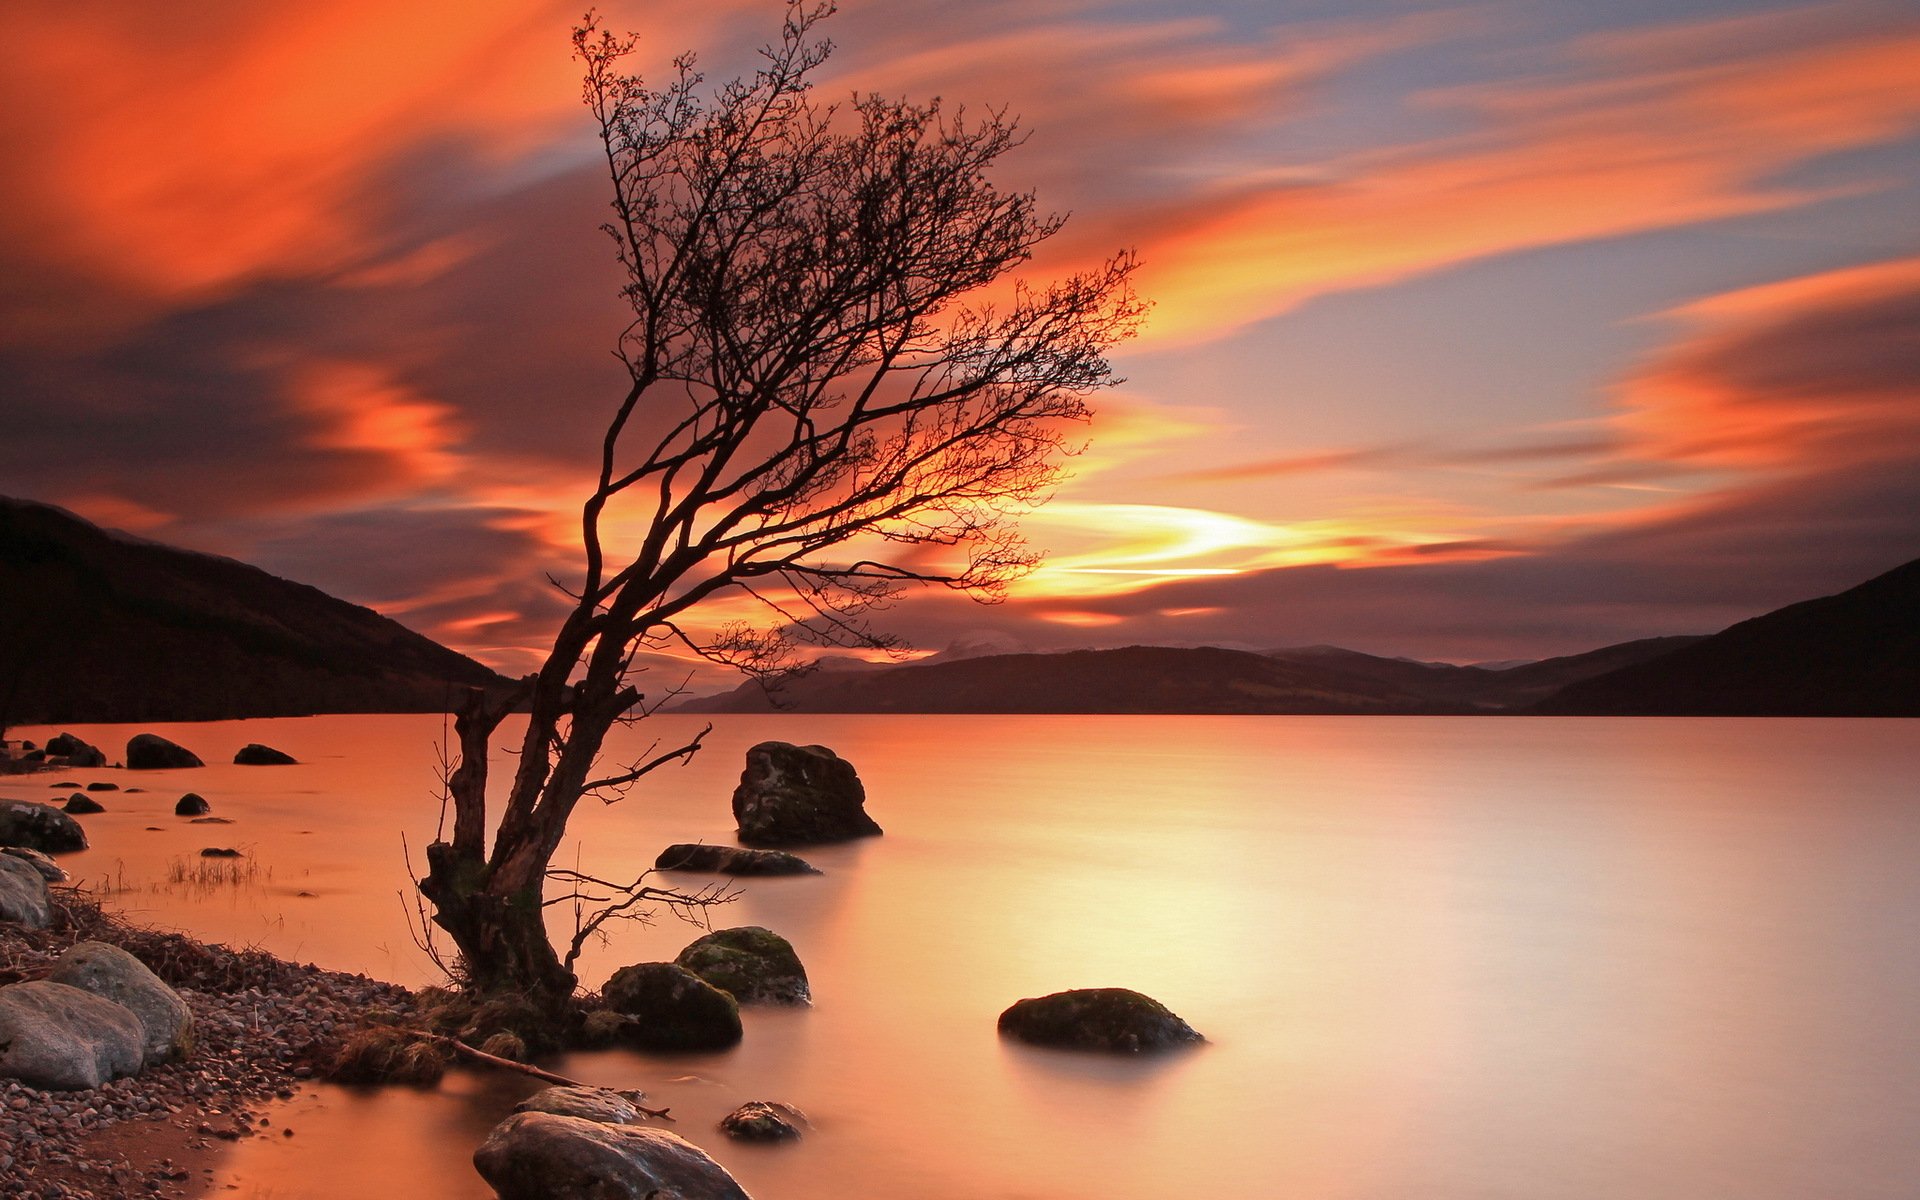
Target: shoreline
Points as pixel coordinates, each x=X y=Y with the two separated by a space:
x=263 y=1026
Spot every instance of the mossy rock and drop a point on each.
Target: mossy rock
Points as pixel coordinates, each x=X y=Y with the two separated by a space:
x=756 y=965
x=1113 y=1020
x=672 y=1008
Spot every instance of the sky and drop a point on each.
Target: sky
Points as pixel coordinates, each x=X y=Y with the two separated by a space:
x=1481 y=331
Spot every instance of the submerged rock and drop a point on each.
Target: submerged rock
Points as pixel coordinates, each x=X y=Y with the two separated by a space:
x=763 y=1121
x=23 y=893
x=543 y=1156
x=220 y=852
x=39 y=827
x=101 y=785
x=112 y=974
x=672 y=1008
x=59 y=1037
x=1109 y=1019
x=731 y=860
x=604 y=1105
x=756 y=965
x=83 y=804
x=75 y=752
x=253 y=754
x=151 y=752
x=193 y=804
x=799 y=795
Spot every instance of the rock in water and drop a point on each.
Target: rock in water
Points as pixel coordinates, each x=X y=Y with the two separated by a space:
x=673 y=1009
x=799 y=795
x=49 y=870
x=731 y=860
x=76 y=752
x=542 y=1156
x=756 y=965
x=1110 y=1019
x=253 y=754
x=23 y=893
x=101 y=785
x=39 y=827
x=763 y=1121
x=112 y=974
x=83 y=804
x=59 y=1037
x=193 y=804
x=604 y=1105
x=151 y=752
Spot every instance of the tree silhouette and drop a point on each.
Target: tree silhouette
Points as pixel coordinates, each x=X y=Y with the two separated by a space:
x=836 y=393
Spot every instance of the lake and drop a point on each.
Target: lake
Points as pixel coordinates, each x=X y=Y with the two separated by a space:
x=1436 y=958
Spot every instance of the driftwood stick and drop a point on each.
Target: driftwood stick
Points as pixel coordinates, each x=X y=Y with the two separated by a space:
x=506 y=1064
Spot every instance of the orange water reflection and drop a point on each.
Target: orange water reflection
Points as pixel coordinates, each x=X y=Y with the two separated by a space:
x=1445 y=958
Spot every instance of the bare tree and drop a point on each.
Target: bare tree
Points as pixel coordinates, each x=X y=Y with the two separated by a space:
x=835 y=393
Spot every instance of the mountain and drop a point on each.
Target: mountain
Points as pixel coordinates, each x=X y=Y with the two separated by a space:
x=1174 y=679
x=100 y=626
x=1855 y=654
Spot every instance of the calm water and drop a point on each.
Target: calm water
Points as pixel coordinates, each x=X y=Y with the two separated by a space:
x=1439 y=959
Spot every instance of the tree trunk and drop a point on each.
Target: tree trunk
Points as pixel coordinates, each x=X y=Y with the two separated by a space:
x=501 y=933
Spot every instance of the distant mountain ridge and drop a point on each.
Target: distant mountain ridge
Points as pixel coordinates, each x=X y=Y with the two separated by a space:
x=98 y=626
x=1853 y=654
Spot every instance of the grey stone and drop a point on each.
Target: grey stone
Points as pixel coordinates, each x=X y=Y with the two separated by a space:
x=39 y=827
x=112 y=974
x=23 y=893
x=763 y=1121
x=61 y=1038
x=151 y=752
x=543 y=1156
x=755 y=965
x=604 y=1105
x=799 y=795
x=49 y=870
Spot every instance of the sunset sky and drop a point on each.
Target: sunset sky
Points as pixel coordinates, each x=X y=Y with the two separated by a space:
x=1481 y=331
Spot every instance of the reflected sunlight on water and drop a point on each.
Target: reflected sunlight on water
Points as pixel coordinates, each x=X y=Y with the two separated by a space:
x=1450 y=958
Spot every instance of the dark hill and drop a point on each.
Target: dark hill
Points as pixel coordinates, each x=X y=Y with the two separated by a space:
x=98 y=626
x=1855 y=654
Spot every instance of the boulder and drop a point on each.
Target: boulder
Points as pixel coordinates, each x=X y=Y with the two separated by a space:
x=604 y=1105
x=151 y=752
x=731 y=860
x=220 y=852
x=59 y=1037
x=799 y=795
x=755 y=965
x=544 y=1156
x=1109 y=1019
x=101 y=785
x=111 y=973
x=253 y=754
x=49 y=870
x=193 y=804
x=763 y=1121
x=23 y=893
x=39 y=827
x=672 y=1008
x=82 y=804
x=76 y=752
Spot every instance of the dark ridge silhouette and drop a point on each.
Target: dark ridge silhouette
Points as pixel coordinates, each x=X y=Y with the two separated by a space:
x=1855 y=654
x=100 y=626
x=1172 y=679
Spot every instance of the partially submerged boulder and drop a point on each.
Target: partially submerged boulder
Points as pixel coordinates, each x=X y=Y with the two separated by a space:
x=755 y=965
x=49 y=870
x=253 y=754
x=220 y=852
x=75 y=752
x=731 y=860
x=799 y=795
x=763 y=1121
x=151 y=752
x=59 y=1037
x=111 y=973
x=1116 y=1020
x=193 y=804
x=23 y=893
x=101 y=785
x=39 y=827
x=672 y=1008
x=543 y=1156
x=82 y=804
x=603 y=1105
